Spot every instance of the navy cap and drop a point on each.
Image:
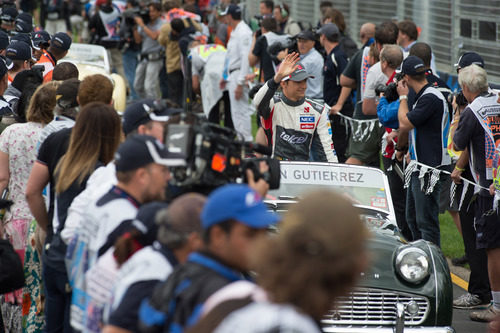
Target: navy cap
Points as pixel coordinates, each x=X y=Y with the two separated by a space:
x=306 y=34
x=143 y=111
x=41 y=37
x=67 y=92
x=330 y=30
x=4 y=67
x=144 y=222
x=469 y=58
x=4 y=40
x=25 y=17
x=412 y=66
x=232 y=9
x=18 y=51
x=300 y=74
x=140 y=150
x=61 y=40
x=238 y=202
x=25 y=38
x=9 y=14
x=23 y=27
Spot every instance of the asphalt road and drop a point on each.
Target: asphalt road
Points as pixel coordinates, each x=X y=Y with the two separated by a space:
x=461 y=321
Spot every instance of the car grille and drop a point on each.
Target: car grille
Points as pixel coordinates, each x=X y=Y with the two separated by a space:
x=375 y=307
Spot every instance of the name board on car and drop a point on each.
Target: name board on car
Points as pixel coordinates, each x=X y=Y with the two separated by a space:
x=333 y=175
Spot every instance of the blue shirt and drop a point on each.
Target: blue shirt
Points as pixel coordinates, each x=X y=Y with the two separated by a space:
x=313 y=63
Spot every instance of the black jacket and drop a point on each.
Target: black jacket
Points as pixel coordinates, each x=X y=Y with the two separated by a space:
x=11 y=268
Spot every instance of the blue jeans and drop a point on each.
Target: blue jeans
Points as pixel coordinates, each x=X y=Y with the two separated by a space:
x=129 y=65
x=57 y=301
x=422 y=211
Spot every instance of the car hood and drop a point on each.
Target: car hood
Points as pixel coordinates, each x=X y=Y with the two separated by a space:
x=383 y=248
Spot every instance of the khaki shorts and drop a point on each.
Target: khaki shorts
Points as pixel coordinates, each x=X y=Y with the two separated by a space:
x=368 y=150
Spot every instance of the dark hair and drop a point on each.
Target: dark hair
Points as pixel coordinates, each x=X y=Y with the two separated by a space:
x=270 y=24
x=418 y=77
x=226 y=226
x=57 y=52
x=155 y=5
x=17 y=64
x=324 y=4
x=336 y=16
x=30 y=84
x=269 y=4
x=386 y=33
x=95 y=88
x=408 y=28
x=125 y=246
x=177 y=25
x=64 y=71
x=423 y=51
x=125 y=176
x=170 y=4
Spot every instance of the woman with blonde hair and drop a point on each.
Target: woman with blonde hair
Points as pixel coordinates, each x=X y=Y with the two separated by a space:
x=17 y=155
x=93 y=142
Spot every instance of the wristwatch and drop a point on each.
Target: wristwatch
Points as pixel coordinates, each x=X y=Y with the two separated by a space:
x=403 y=97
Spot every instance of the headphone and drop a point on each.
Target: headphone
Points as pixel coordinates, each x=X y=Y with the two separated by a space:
x=283 y=10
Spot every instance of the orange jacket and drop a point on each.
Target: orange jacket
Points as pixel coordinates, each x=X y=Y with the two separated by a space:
x=48 y=61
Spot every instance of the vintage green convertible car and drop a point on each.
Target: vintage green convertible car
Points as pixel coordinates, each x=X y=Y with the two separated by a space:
x=408 y=286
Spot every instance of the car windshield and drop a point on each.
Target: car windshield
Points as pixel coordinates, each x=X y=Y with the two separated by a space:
x=363 y=186
x=87 y=54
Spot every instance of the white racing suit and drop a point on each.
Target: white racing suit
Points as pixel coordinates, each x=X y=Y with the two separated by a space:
x=295 y=127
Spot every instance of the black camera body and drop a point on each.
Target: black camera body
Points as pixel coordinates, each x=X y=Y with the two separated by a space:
x=215 y=156
x=459 y=98
x=390 y=91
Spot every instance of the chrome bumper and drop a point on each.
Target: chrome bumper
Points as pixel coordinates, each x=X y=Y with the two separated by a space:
x=415 y=329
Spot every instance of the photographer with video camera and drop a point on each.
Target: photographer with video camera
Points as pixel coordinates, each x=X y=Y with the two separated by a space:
x=293 y=121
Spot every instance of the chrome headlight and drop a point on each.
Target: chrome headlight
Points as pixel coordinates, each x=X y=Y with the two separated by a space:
x=412 y=264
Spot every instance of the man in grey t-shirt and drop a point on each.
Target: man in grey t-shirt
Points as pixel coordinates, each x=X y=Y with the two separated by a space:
x=147 y=83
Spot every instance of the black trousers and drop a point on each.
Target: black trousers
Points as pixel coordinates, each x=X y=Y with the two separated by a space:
x=175 y=81
x=398 y=193
x=479 y=283
x=340 y=132
x=214 y=115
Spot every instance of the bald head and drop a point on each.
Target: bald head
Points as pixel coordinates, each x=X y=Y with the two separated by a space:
x=181 y=218
x=366 y=32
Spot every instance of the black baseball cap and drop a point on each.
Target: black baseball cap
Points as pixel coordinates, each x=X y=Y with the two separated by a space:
x=412 y=66
x=66 y=93
x=144 y=222
x=140 y=150
x=61 y=40
x=143 y=111
x=330 y=30
x=4 y=40
x=25 y=38
x=306 y=34
x=18 y=51
x=22 y=27
x=25 y=17
x=469 y=58
x=300 y=74
x=9 y=14
x=232 y=10
x=41 y=37
x=5 y=65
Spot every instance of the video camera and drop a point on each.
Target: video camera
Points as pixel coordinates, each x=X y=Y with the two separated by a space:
x=216 y=156
x=390 y=91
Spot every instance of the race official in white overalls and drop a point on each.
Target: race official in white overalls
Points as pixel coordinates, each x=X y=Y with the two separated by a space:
x=236 y=69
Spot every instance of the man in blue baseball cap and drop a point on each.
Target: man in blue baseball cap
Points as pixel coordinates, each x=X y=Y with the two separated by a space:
x=21 y=56
x=232 y=219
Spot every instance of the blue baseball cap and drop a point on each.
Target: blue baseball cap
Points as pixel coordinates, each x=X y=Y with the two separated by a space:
x=238 y=202
x=4 y=40
x=61 y=40
x=18 y=51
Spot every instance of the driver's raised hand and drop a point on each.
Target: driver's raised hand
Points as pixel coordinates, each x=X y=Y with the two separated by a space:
x=287 y=66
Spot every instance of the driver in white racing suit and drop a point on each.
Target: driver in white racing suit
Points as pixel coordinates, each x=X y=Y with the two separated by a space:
x=294 y=126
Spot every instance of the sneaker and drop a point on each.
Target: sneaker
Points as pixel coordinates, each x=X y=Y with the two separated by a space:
x=485 y=315
x=469 y=301
x=461 y=261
